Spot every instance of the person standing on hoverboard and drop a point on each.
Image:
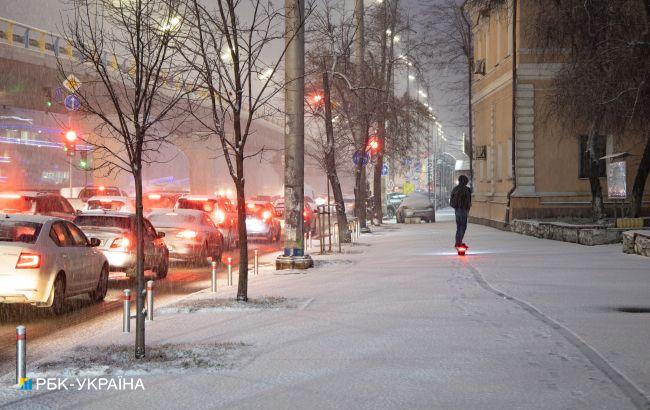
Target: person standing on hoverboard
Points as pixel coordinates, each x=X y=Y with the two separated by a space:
x=461 y=201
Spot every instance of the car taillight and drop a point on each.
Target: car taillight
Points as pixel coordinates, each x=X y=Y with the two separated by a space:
x=154 y=197
x=122 y=243
x=28 y=261
x=187 y=234
x=266 y=215
x=305 y=214
x=220 y=216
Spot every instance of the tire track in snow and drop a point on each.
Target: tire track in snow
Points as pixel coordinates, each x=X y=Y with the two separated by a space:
x=627 y=386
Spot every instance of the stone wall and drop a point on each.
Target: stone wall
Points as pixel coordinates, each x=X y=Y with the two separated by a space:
x=637 y=242
x=589 y=235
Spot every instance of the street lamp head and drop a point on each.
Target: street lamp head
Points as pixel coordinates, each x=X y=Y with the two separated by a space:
x=411 y=77
x=71 y=135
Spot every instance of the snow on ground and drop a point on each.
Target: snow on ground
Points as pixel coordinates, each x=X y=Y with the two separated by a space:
x=406 y=323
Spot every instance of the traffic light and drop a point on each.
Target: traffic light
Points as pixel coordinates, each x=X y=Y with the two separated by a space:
x=47 y=96
x=70 y=142
x=83 y=159
x=373 y=144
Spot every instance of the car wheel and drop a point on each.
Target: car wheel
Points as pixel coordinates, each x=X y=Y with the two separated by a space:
x=162 y=269
x=59 y=295
x=99 y=293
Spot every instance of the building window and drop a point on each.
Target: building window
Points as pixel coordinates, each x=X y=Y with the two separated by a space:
x=601 y=148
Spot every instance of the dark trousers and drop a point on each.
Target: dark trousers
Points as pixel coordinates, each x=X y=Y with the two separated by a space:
x=461 y=224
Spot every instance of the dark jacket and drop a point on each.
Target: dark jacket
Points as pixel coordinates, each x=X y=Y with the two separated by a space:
x=461 y=195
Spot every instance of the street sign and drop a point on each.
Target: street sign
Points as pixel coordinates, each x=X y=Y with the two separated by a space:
x=357 y=157
x=72 y=83
x=384 y=170
x=616 y=180
x=59 y=95
x=72 y=103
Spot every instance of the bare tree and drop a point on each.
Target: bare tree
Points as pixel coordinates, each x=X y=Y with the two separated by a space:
x=131 y=87
x=230 y=42
x=603 y=85
x=330 y=40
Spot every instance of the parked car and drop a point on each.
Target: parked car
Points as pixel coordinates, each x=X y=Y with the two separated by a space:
x=36 y=203
x=190 y=235
x=261 y=221
x=219 y=208
x=393 y=201
x=117 y=240
x=109 y=203
x=45 y=259
x=416 y=205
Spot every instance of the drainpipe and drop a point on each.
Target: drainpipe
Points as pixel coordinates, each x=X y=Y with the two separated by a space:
x=514 y=109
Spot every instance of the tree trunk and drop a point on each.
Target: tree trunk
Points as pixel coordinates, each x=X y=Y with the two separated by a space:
x=636 y=200
x=330 y=165
x=139 y=267
x=376 y=186
x=242 y=285
x=597 y=206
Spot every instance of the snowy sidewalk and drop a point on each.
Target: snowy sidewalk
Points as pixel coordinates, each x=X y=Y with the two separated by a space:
x=400 y=321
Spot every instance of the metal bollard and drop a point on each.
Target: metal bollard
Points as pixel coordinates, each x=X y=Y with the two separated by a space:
x=126 y=314
x=256 y=263
x=21 y=353
x=229 y=271
x=305 y=242
x=150 y=300
x=213 y=287
x=309 y=235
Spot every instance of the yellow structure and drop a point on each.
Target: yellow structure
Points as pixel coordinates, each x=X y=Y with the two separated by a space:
x=545 y=157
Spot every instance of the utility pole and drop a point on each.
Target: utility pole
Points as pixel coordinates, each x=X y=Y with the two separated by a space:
x=294 y=140
x=362 y=126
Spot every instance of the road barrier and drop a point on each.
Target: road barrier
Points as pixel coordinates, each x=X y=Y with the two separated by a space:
x=256 y=264
x=21 y=353
x=229 y=271
x=126 y=313
x=150 y=300
x=213 y=285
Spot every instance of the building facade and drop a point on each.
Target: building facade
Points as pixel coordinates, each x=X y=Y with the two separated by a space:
x=543 y=174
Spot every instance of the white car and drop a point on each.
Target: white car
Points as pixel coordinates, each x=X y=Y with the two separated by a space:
x=44 y=260
x=109 y=203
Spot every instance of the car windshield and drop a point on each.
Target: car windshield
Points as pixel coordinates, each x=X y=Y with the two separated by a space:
x=417 y=200
x=18 y=231
x=91 y=192
x=107 y=205
x=172 y=220
x=103 y=221
x=206 y=205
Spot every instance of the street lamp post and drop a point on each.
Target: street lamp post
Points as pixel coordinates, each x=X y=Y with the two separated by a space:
x=294 y=140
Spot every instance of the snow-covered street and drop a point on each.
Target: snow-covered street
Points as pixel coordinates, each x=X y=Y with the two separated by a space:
x=400 y=321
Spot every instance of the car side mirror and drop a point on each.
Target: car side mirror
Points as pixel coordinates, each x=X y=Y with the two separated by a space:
x=161 y=234
x=94 y=242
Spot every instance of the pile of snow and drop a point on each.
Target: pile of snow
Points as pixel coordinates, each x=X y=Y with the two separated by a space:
x=208 y=303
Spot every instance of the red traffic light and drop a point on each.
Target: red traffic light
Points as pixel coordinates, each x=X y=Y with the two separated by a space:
x=71 y=135
x=373 y=144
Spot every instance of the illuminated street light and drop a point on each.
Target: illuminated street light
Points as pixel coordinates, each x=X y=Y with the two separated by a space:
x=411 y=77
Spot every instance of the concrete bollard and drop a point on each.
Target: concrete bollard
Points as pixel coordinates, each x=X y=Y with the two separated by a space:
x=150 y=300
x=229 y=271
x=126 y=314
x=256 y=263
x=21 y=353
x=213 y=286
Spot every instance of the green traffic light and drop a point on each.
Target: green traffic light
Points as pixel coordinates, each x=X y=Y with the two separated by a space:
x=49 y=104
x=83 y=164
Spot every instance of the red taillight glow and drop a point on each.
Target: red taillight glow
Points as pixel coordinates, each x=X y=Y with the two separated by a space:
x=28 y=261
x=122 y=243
x=187 y=234
x=10 y=196
x=266 y=215
x=220 y=216
x=154 y=197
